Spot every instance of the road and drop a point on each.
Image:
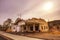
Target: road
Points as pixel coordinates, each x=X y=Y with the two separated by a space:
x=2 y=38
x=17 y=37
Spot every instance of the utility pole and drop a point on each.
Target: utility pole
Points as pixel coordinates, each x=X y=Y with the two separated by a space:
x=48 y=20
x=19 y=15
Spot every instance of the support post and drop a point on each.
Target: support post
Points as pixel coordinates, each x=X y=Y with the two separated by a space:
x=33 y=27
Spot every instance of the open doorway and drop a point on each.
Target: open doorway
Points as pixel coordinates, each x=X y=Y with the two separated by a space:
x=31 y=27
x=37 y=27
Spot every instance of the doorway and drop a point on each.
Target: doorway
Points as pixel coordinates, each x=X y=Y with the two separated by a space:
x=37 y=27
x=31 y=27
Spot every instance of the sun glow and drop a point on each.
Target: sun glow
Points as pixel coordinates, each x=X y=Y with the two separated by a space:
x=47 y=6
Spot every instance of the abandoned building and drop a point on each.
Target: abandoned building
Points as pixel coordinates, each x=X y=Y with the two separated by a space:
x=55 y=25
x=17 y=26
x=36 y=25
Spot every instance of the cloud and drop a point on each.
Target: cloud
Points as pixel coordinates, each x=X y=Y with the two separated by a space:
x=27 y=8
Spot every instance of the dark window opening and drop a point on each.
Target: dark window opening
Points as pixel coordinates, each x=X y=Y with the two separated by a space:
x=41 y=27
x=24 y=28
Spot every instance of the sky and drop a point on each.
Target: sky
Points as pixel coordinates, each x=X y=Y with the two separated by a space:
x=28 y=9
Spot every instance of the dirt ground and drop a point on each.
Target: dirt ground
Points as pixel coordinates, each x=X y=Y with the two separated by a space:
x=47 y=36
x=53 y=36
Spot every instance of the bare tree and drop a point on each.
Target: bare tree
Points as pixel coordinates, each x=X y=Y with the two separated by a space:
x=6 y=24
